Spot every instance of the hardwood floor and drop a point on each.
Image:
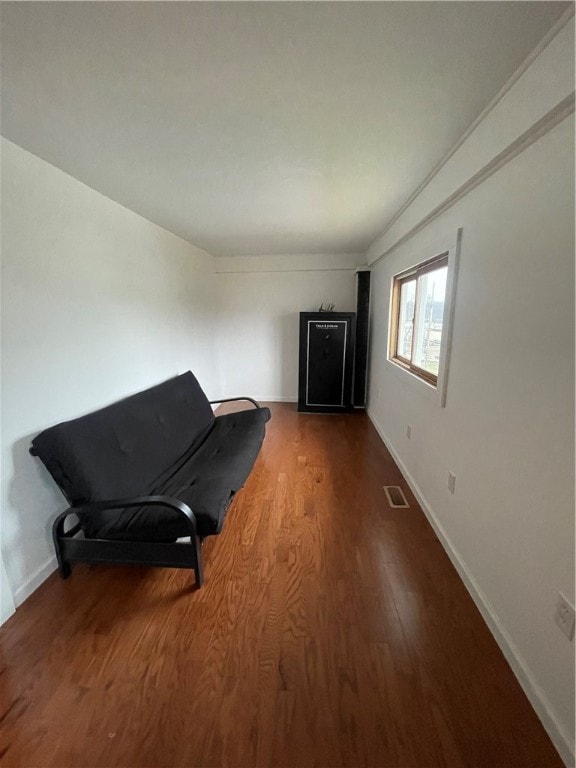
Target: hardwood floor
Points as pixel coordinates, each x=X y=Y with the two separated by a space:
x=331 y=631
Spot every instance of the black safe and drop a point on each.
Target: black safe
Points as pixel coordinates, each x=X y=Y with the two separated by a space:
x=326 y=361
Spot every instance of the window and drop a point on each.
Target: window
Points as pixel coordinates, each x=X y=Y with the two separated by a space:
x=417 y=318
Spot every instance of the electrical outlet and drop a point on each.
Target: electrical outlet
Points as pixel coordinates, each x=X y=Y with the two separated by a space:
x=408 y=431
x=564 y=616
x=451 y=481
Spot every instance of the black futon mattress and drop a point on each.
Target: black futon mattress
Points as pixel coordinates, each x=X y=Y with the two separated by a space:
x=163 y=441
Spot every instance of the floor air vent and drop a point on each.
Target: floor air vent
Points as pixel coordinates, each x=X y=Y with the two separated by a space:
x=396 y=496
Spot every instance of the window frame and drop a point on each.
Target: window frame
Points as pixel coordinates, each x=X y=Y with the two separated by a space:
x=450 y=244
x=398 y=281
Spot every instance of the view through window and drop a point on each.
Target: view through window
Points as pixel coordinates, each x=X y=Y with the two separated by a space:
x=418 y=298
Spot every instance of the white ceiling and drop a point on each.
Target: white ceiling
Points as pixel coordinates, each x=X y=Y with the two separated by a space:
x=257 y=128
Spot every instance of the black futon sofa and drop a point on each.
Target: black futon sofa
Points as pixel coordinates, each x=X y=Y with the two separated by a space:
x=153 y=468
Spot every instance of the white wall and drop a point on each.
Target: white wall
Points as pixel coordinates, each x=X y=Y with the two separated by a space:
x=97 y=303
x=259 y=300
x=507 y=430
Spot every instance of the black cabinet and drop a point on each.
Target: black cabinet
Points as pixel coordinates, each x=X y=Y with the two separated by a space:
x=326 y=361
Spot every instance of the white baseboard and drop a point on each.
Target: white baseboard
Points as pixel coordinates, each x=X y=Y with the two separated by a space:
x=269 y=399
x=33 y=582
x=275 y=399
x=533 y=691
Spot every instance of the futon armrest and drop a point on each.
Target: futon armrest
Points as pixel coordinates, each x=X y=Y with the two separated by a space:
x=233 y=399
x=138 y=501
